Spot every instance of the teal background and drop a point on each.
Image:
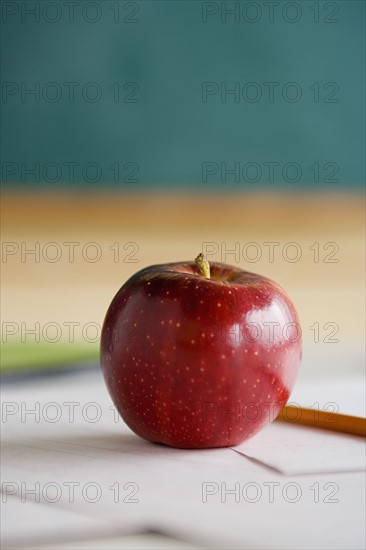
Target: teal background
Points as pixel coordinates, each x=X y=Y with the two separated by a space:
x=169 y=132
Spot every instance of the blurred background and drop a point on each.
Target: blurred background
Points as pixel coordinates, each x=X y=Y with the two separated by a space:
x=143 y=132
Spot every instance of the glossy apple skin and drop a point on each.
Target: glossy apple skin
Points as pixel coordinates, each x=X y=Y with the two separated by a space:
x=197 y=363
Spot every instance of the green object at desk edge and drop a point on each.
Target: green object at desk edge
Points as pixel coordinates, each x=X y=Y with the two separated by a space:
x=29 y=356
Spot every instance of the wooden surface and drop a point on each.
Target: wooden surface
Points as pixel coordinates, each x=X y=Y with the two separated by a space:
x=171 y=227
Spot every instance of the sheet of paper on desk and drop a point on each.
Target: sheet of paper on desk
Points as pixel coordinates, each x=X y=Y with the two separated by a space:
x=287 y=448
x=344 y=395
x=170 y=482
x=171 y=496
x=298 y=449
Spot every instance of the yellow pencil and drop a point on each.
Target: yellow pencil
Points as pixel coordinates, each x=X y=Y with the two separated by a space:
x=325 y=420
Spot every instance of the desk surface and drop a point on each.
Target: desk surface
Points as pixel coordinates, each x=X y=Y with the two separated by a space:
x=87 y=245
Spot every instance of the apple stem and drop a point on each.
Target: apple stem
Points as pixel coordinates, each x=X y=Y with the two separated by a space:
x=203 y=266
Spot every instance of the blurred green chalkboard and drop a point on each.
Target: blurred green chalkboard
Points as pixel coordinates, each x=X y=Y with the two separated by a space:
x=183 y=93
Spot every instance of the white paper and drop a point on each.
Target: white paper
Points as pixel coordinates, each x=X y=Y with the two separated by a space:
x=295 y=449
x=344 y=395
x=172 y=483
x=298 y=449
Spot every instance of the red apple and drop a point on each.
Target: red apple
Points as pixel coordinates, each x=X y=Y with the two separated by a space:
x=197 y=360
